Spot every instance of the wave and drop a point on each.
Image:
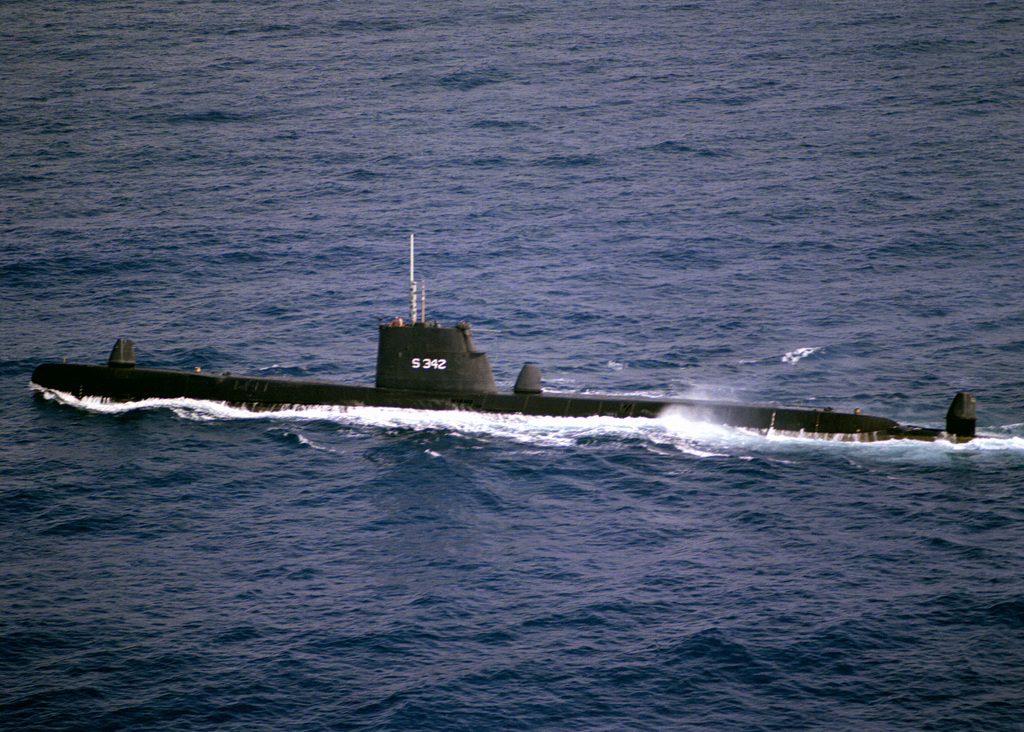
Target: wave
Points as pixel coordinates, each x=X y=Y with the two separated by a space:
x=800 y=353
x=673 y=431
x=790 y=357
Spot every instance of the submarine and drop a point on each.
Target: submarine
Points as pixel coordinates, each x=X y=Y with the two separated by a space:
x=422 y=364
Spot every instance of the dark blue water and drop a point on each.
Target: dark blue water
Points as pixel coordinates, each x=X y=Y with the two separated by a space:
x=789 y=202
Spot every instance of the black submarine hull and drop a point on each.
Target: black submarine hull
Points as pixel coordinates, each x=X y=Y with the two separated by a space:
x=259 y=393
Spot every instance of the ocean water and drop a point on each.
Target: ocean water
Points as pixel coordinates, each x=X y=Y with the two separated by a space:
x=802 y=203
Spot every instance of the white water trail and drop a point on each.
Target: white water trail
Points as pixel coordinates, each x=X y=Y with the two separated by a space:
x=676 y=431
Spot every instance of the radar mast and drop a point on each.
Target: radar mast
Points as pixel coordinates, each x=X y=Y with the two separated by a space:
x=412 y=287
x=412 y=279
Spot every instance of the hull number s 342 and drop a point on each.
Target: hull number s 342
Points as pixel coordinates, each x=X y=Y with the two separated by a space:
x=439 y=364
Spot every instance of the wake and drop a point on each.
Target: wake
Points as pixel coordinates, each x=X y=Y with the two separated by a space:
x=698 y=439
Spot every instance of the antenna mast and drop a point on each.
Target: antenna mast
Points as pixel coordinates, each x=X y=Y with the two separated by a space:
x=412 y=280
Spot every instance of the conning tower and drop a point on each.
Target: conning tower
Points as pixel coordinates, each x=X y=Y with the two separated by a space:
x=423 y=356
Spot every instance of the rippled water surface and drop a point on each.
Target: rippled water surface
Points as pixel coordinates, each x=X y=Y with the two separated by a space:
x=775 y=202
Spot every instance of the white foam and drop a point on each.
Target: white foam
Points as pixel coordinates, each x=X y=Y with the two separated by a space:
x=672 y=430
x=303 y=440
x=800 y=353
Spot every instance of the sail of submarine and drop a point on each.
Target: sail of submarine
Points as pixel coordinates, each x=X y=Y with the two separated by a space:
x=424 y=365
